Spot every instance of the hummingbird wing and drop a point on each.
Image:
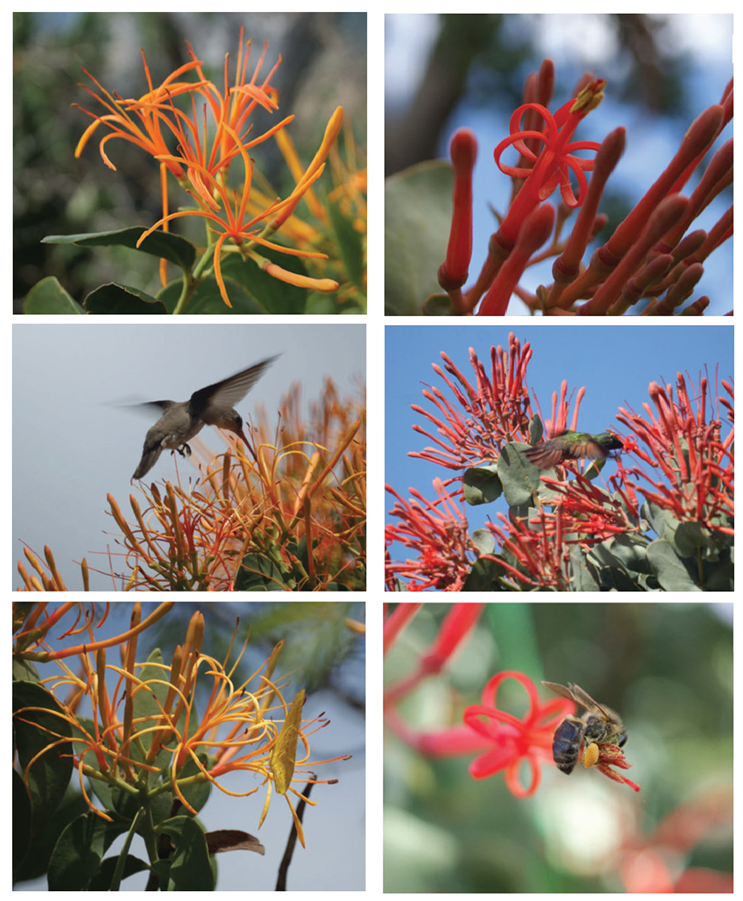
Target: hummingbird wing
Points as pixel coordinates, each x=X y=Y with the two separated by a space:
x=589 y=448
x=160 y=404
x=546 y=455
x=229 y=391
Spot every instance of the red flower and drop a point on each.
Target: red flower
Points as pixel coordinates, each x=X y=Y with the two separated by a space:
x=453 y=272
x=551 y=167
x=440 y=536
x=694 y=460
x=514 y=740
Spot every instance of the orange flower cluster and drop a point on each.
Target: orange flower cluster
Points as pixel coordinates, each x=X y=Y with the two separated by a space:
x=200 y=159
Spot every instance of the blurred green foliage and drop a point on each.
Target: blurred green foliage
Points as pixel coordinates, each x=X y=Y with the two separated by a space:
x=666 y=668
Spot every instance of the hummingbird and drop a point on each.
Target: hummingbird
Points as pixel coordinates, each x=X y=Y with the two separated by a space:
x=182 y=420
x=572 y=446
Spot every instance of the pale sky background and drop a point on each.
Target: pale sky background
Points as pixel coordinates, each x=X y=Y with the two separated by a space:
x=75 y=440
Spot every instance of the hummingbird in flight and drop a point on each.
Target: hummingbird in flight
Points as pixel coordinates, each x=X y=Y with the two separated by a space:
x=181 y=421
x=572 y=446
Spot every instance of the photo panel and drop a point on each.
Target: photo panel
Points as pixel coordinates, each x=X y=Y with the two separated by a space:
x=187 y=746
x=558 y=164
x=558 y=748
x=140 y=463
x=199 y=163
x=570 y=458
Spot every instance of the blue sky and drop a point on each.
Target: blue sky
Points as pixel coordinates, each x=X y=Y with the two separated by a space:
x=615 y=362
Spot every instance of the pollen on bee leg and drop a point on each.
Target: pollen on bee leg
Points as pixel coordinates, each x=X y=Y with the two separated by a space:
x=590 y=755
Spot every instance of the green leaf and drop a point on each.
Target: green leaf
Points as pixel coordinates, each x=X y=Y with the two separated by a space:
x=113 y=299
x=197 y=793
x=669 y=568
x=612 y=573
x=259 y=573
x=662 y=521
x=48 y=297
x=632 y=551
x=21 y=820
x=483 y=576
x=691 y=537
x=438 y=305
x=481 y=485
x=79 y=851
x=720 y=576
x=49 y=775
x=24 y=671
x=284 y=751
x=583 y=572
x=102 y=878
x=418 y=207
x=520 y=479
x=536 y=430
x=166 y=245
x=350 y=243
x=148 y=703
x=484 y=541
x=206 y=298
x=190 y=866
x=36 y=861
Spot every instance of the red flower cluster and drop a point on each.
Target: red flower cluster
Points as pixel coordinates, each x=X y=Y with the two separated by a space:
x=653 y=255
x=694 y=461
x=503 y=741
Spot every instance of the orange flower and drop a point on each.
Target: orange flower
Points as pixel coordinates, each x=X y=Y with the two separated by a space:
x=202 y=166
x=150 y=706
x=233 y=218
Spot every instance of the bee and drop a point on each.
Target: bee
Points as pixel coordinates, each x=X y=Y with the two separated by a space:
x=600 y=725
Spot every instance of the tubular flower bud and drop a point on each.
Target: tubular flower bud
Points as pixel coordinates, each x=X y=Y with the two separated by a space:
x=453 y=272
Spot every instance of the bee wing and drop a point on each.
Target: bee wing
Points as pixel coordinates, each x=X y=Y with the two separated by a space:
x=562 y=690
x=584 y=699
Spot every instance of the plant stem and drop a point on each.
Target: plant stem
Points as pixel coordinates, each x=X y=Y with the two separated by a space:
x=121 y=862
x=186 y=291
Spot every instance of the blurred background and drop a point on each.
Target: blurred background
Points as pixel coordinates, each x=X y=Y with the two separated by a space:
x=324 y=66
x=322 y=655
x=667 y=669
x=444 y=72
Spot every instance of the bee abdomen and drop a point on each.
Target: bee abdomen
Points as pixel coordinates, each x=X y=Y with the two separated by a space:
x=566 y=744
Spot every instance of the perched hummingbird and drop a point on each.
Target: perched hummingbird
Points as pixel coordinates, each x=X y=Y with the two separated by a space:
x=212 y=405
x=572 y=446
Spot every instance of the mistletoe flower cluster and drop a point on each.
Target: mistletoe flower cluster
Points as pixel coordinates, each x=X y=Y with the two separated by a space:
x=692 y=456
x=144 y=734
x=663 y=521
x=654 y=256
x=198 y=148
x=503 y=742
